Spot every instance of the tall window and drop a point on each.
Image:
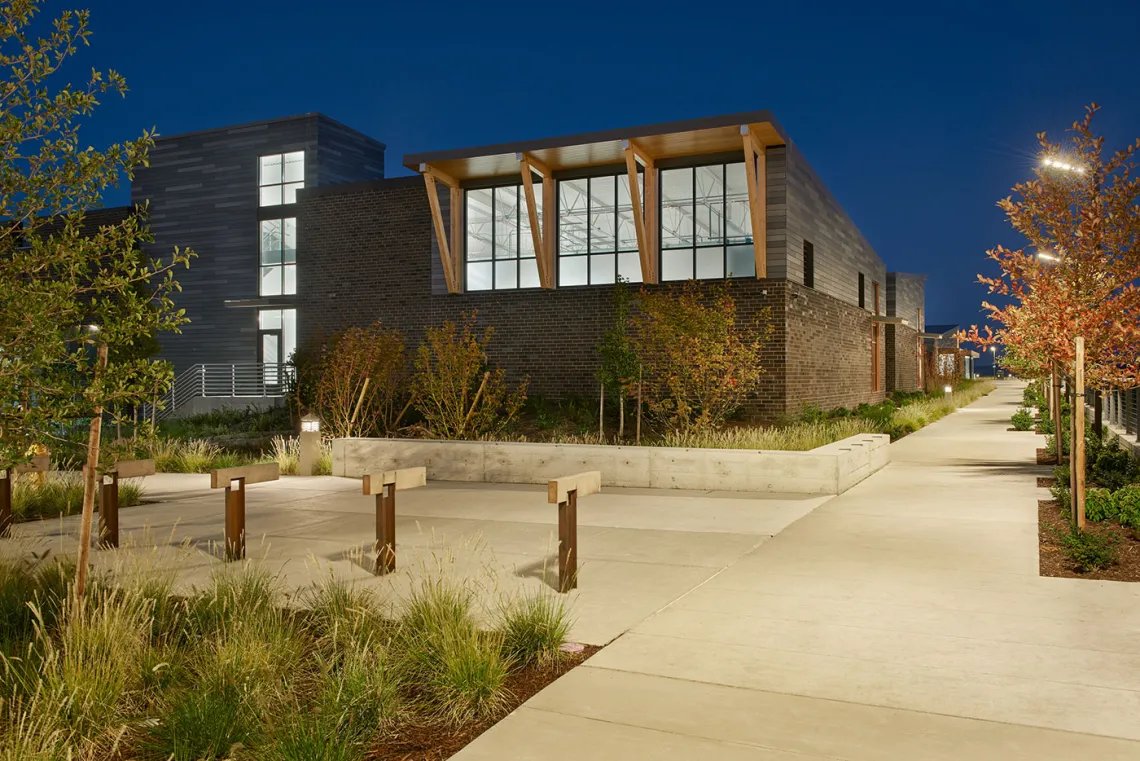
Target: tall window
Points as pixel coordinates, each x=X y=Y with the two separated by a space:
x=500 y=246
x=597 y=239
x=706 y=226
x=278 y=257
x=862 y=291
x=809 y=264
x=280 y=176
x=875 y=349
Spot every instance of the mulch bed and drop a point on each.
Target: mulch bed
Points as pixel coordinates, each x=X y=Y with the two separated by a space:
x=1050 y=522
x=1043 y=458
x=435 y=743
x=1045 y=482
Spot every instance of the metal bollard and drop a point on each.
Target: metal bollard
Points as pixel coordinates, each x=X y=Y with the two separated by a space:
x=386 y=530
x=568 y=542
x=235 y=520
x=109 y=511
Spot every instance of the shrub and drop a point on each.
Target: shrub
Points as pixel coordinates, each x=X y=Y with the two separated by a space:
x=456 y=391
x=1100 y=505
x=1061 y=495
x=699 y=364
x=1114 y=468
x=361 y=382
x=1022 y=420
x=534 y=627
x=1128 y=506
x=1088 y=550
x=1061 y=475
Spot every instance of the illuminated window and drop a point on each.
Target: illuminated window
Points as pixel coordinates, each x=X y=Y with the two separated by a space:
x=706 y=224
x=280 y=176
x=500 y=245
x=597 y=237
x=278 y=257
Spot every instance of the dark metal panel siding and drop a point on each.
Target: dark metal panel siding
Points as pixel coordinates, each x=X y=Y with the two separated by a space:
x=345 y=155
x=841 y=251
x=203 y=194
x=906 y=297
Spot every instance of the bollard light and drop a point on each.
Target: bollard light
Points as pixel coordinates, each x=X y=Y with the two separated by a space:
x=310 y=445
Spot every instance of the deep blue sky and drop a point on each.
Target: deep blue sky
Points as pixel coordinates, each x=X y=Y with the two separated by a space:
x=917 y=120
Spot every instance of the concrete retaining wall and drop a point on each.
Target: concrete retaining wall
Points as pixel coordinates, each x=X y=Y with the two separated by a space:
x=831 y=469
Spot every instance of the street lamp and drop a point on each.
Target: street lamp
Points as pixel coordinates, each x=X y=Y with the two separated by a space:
x=993 y=355
x=949 y=391
x=1045 y=256
x=1061 y=165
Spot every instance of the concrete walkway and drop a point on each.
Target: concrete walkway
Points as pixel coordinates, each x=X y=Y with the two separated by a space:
x=903 y=620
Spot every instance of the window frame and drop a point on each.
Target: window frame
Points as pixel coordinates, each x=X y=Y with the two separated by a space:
x=724 y=244
x=282 y=183
x=282 y=266
x=809 y=264
x=520 y=215
x=589 y=253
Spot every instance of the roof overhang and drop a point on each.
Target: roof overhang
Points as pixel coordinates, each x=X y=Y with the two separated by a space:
x=694 y=137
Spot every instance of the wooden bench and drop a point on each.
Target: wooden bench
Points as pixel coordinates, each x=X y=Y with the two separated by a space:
x=109 y=496
x=565 y=492
x=384 y=486
x=242 y=475
x=39 y=464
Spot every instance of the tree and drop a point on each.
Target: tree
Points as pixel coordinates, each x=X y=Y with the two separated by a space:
x=699 y=364
x=361 y=381
x=1082 y=215
x=74 y=296
x=619 y=365
x=459 y=395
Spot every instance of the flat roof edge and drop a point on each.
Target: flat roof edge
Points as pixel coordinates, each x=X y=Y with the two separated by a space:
x=413 y=160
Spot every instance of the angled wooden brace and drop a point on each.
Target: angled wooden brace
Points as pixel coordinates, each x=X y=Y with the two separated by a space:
x=755 y=169
x=644 y=215
x=542 y=231
x=450 y=251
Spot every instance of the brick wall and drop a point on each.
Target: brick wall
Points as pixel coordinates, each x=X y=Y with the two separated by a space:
x=828 y=352
x=365 y=254
x=902 y=358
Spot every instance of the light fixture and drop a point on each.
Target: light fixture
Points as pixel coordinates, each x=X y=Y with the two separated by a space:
x=949 y=390
x=310 y=424
x=1046 y=256
x=92 y=328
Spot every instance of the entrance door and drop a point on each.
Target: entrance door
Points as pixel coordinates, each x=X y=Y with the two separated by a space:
x=271 y=356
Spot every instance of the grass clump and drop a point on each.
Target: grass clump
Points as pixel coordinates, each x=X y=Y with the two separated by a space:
x=60 y=494
x=795 y=437
x=287 y=453
x=534 y=628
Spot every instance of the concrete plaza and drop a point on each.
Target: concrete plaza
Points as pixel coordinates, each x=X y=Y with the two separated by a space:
x=904 y=620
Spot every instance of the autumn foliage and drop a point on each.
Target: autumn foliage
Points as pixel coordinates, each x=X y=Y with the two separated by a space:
x=699 y=365
x=1077 y=276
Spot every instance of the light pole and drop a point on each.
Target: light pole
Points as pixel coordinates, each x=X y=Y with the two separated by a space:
x=310 y=445
x=993 y=355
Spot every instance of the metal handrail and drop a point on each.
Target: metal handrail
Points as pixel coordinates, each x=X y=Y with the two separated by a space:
x=253 y=380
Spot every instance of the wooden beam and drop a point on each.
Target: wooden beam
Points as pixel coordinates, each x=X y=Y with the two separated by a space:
x=457 y=233
x=403 y=478
x=441 y=234
x=253 y=474
x=585 y=484
x=644 y=210
x=440 y=175
x=544 y=253
x=755 y=170
x=638 y=213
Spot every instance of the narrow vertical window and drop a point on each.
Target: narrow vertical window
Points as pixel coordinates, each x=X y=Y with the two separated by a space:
x=862 y=291
x=809 y=264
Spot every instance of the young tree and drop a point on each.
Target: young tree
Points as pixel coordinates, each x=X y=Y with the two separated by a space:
x=361 y=382
x=1081 y=214
x=73 y=296
x=618 y=368
x=699 y=364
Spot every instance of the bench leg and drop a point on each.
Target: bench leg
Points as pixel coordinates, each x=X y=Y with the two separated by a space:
x=386 y=530
x=109 y=512
x=6 y=504
x=235 y=521
x=568 y=542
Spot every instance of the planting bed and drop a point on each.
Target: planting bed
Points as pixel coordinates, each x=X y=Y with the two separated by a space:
x=435 y=742
x=1051 y=522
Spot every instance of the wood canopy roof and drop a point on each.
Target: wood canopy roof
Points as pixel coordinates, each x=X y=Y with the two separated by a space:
x=693 y=137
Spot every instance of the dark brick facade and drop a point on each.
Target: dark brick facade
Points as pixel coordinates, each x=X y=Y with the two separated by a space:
x=902 y=358
x=365 y=254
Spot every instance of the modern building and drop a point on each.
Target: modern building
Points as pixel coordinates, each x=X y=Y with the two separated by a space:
x=299 y=234
x=947 y=357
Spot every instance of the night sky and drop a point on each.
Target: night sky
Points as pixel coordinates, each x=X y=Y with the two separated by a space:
x=917 y=120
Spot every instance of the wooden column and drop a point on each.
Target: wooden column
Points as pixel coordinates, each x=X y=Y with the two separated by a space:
x=756 y=172
x=644 y=210
x=541 y=230
x=450 y=246
x=1079 y=433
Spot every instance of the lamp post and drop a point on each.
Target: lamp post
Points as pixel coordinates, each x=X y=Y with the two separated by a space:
x=310 y=445
x=993 y=355
x=949 y=391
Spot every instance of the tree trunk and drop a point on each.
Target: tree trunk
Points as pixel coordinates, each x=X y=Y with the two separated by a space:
x=90 y=476
x=639 y=405
x=1057 y=414
x=602 y=412
x=621 y=415
x=1079 y=435
x=1098 y=414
